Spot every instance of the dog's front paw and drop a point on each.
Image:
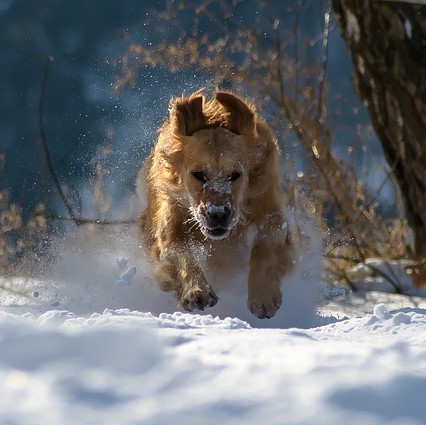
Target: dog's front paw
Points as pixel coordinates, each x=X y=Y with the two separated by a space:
x=196 y=298
x=263 y=307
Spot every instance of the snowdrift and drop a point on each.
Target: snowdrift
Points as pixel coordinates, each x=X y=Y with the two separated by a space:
x=124 y=367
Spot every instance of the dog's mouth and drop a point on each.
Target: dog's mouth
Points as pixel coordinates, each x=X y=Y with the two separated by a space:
x=216 y=233
x=211 y=228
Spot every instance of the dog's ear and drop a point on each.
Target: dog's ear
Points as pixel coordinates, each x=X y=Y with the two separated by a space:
x=186 y=115
x=241 y=118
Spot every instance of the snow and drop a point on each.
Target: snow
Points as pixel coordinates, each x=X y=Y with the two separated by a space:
x=85 y=345
x=127 y=367
x=219 y=184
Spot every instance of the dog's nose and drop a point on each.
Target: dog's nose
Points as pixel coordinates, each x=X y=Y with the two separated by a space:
x=218 y=216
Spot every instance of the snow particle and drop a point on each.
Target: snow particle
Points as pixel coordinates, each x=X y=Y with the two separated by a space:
x=121 y=262
x=381 y=312
x=126 y=277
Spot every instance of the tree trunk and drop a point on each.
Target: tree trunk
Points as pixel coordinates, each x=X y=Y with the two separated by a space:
x=387 y=43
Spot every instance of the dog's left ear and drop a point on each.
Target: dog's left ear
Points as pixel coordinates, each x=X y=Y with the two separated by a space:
x=241 y=119
x=186 y=115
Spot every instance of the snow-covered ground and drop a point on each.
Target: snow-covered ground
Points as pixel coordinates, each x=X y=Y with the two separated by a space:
x=94 y=343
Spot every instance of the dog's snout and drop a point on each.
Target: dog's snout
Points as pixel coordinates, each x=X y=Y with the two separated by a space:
x=218 y=216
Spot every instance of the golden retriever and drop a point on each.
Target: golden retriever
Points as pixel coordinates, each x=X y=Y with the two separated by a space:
x=212 y=181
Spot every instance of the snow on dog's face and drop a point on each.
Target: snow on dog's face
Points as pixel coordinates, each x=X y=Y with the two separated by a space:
x=212 y=160
x=214 y=178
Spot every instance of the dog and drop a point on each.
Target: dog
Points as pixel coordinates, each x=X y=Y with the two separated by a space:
x=213 y=180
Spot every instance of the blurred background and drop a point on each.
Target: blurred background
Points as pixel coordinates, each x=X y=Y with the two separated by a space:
x=84 y=114
x=84 y=86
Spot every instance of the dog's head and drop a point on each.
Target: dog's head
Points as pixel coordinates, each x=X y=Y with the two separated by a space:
x=212 y=149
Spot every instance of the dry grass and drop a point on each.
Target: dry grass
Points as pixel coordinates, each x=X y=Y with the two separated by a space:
x=21 y=240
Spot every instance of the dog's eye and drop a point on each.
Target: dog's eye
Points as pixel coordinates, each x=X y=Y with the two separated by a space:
x=200 y=176
x=235 y=175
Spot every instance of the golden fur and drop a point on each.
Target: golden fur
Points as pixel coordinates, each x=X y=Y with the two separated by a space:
x=212 y=180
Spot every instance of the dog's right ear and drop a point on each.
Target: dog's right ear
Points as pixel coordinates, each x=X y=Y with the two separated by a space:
x=186 y=115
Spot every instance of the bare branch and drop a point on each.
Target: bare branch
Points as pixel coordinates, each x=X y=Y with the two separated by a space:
x=72 y=216
x=322 y=111
x=48 y=61
x=363 y=210
x=386 y=276
x=83 y=221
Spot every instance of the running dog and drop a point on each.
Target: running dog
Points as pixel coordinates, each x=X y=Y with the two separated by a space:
x=213 y=179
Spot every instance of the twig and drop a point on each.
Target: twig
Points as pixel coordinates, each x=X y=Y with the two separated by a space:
x=343 y=275
x=362 y=211
x=82 y=221
x=381 y=273
x=392 y=278
x=72 y=216
x=325 y=36
x=296 y=55
x=300 y=135
x=344 y=258
x=48 y=61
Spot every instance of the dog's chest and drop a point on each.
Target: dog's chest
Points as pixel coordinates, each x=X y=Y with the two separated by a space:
x=227 y=259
